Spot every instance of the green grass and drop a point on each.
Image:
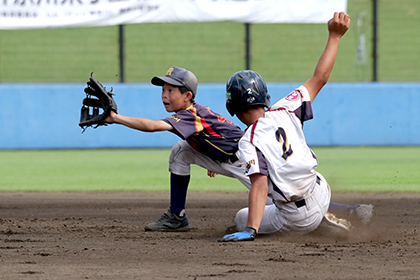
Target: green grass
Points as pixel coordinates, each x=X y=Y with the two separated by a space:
x=96 y=170
x=280 y=52
x=347 y=169
x=371 y=169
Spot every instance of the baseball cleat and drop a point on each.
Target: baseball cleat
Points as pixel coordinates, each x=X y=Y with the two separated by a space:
x=332 y=221
x=169 y=222
x=363 y=213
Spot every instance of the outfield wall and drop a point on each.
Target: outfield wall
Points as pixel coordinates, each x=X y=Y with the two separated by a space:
x=46 y=116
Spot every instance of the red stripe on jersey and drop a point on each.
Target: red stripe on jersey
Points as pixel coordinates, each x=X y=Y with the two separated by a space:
x=209 y=128
x=201 y=124
x=254 y=125
x=279 y=109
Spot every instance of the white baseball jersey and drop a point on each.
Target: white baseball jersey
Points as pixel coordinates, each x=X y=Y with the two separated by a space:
x=275 y=146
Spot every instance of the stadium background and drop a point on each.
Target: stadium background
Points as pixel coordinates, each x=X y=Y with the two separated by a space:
x=42 y=75
x=280 y=52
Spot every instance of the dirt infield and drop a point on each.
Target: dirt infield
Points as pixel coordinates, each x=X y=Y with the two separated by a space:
x=100 y=236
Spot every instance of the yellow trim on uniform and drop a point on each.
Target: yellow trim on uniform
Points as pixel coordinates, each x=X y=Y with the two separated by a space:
x=198 y=126
x=218 y=147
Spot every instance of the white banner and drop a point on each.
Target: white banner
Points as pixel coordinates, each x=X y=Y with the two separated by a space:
x=27 y=14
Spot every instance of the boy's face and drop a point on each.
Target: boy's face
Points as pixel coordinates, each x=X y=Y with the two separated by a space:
x=173 y=99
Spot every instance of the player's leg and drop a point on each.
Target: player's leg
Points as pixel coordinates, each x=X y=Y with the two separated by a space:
x=236 y=169
x=175 y=218
x=292 y=217
x=361 y=213
x=330 y=222
x=272 y=221
x=180 y=160
x=356 y=214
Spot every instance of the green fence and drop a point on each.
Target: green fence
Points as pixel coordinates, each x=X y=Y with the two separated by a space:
x=280 y=52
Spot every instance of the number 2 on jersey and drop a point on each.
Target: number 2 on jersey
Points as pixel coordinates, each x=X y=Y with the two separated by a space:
x=281 y=137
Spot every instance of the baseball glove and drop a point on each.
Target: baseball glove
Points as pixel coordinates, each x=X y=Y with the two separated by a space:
x=97 y=97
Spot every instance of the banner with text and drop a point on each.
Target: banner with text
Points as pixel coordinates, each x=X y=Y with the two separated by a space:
x=29 y=14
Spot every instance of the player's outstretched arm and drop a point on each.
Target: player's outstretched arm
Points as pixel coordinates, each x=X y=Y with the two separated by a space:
x=142 y=124
x=337 y=27
x=257 y=201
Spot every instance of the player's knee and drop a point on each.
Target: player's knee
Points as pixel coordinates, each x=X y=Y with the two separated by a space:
x=177 y=151
x=179 y=162
x=241 y=218
x=174 y=151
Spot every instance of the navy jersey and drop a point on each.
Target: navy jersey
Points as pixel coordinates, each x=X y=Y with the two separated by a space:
x=206 y=131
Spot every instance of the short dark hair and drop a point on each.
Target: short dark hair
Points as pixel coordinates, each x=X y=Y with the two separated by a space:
x=184 y=90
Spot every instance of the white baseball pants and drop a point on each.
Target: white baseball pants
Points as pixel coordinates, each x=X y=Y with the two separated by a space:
x=183 y=155
x=289 y=217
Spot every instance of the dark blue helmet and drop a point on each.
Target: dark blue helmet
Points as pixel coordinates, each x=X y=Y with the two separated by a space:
x=245 y=89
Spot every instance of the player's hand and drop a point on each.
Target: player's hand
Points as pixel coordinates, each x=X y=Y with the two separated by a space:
x=248 y=234
x=111 y=117
x=211 y=174
x=339 y=24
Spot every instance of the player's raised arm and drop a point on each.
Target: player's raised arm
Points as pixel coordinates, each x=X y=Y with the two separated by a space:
x=337 y=27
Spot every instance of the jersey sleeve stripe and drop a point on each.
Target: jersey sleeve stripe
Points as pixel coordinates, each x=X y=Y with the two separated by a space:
x=262 y=164
x=254 y=125
x=279 y=109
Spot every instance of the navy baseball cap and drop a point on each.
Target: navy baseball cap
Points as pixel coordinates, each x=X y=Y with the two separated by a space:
x=177 y=76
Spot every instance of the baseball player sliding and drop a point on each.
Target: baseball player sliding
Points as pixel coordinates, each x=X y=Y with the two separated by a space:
x=279 y=162
x=208 y=140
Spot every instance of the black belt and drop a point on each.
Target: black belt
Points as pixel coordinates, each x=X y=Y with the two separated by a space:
x=234 y=158
x=302 y=202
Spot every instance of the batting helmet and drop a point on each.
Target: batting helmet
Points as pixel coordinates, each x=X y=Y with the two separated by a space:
x=245 y=89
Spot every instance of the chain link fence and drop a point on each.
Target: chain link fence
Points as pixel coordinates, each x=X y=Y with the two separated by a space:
x=213 y=51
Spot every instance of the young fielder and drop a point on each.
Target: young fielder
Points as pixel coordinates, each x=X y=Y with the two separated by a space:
x=279 y=162
x=211 y=141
